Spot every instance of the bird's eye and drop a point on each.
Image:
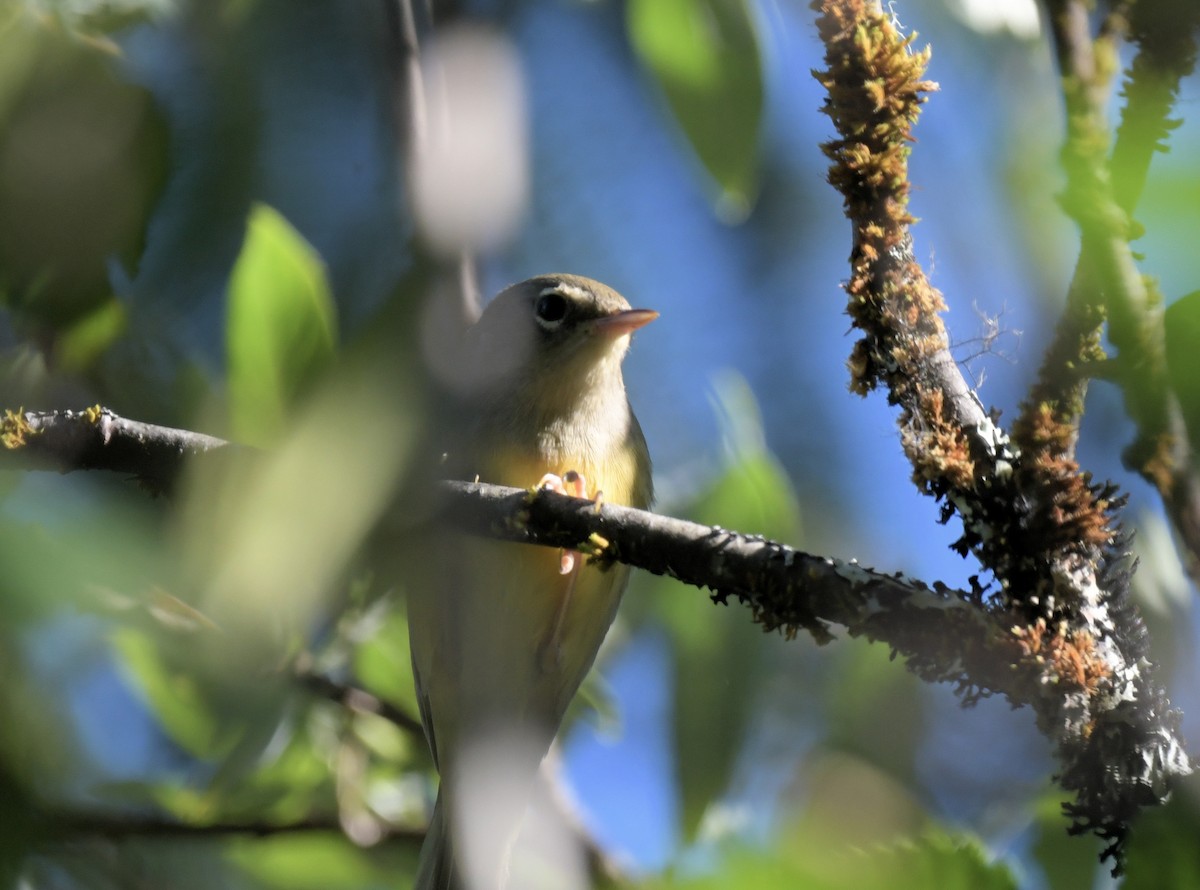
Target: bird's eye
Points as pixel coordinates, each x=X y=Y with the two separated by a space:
x=550 y=310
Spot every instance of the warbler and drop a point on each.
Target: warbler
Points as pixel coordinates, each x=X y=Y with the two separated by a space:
x=502 y=634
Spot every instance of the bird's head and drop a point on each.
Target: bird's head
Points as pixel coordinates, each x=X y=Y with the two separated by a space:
x=553 y=335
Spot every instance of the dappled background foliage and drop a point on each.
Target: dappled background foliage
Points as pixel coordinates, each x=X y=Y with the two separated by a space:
x=205 y=221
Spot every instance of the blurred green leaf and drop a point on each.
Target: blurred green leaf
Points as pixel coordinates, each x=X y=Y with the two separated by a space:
x=216 y=700
x=104 y=16
x=322 y=862
x=289 y=786
x=86 y=340
x=935 y=860
x=1181 y=324
x=1070 y=862
x=719 y=652
x=176 y=698
x=705 y=55
x=83 y=159
x=281 y=328
x=1163 y=850
x=874 y=708
x=78 y=552
x=383 y=738
x=383 y=663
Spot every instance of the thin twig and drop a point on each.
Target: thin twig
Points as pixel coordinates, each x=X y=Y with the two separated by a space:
x=73 y=826
x=358 y=699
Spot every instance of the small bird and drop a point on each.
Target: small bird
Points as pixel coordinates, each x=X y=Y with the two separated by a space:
x=502 y=634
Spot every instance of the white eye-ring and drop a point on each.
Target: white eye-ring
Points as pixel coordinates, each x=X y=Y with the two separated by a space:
x=550 y=310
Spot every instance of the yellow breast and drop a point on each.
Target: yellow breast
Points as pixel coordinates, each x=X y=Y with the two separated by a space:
x=621 y=470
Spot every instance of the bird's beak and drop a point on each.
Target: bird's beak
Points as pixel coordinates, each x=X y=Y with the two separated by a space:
x=626 y=322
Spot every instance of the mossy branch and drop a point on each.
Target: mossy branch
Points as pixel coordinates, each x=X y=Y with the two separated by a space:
x=1030 y=515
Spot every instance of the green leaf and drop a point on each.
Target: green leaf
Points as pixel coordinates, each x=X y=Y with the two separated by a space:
x=86 y=340
x=705 y=56
x=1163 y=851
x=719 y=652
x=83 y=160
x=321 y=862
x=936 y=859
x=205 y=697
x=177 y=699
x=1069 y=862
x=1182 y=339
x=383 y=663
x=281 y=329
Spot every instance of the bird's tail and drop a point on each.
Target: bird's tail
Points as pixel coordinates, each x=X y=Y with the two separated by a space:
x=435 y=868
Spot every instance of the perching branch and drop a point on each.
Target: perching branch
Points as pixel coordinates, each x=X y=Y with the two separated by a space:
x=98 y=439
x=357 y=699
x=946 y=635
x=982 y=646
x=785 y=589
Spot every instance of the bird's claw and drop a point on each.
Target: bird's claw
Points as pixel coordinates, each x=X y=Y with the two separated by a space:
x=572 y=484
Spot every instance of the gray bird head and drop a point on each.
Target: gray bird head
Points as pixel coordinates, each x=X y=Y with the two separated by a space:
x=552 y=336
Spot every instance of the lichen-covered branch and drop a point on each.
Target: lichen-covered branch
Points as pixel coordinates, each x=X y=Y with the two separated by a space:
x=1029 y=514
x=945 y=635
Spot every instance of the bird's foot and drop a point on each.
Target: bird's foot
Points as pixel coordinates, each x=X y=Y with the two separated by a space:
x=569 y=483
x=573 y=485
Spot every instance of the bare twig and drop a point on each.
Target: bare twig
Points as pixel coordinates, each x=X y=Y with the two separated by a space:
x=74 y=826
x=358 y=699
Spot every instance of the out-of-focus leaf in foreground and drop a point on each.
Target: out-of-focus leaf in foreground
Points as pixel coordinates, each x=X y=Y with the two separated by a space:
x=719 y=652
x=322 y=862
x=935 y=859
x=265 y=546
x=281 y=327
x=1182 y=335
x=1068 y=862
x=83 y=157
x=1163 y=851
x=705 y=56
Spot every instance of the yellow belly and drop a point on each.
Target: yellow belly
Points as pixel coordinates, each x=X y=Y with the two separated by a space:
x=500 y=636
